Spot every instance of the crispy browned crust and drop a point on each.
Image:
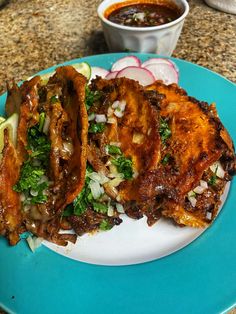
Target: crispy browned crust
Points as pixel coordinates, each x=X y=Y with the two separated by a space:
x=140 y=119
x=73 y=90
x=68 y=122
x=198 y=140
x=10 y=209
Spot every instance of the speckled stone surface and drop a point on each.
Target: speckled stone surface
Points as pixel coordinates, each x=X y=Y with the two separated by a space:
x=36 y=34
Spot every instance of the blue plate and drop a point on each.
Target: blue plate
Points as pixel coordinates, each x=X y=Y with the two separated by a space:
x=201 y=278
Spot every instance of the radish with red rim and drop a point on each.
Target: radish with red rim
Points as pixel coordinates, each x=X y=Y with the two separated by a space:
x=97 y=71
x=159 y=60
x=164 y=72
x=142 y=75
x=125 y=62
x=112 y=75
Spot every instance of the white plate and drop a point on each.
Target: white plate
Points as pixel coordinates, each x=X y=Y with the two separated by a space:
x=132 y=242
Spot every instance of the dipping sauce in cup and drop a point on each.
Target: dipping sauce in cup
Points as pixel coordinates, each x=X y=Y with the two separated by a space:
x=151 y=26
x=142 y=14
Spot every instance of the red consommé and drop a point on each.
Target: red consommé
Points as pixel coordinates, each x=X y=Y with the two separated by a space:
x=142 y=14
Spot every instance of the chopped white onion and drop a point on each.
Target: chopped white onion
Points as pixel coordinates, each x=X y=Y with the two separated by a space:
x=118 y=113
x=218 y=169
x=91 y=116
x=111 y=120
x=46 y=125
x=203 y=184
x=96 y=189
x=209 y=215
x=122 y=105
x=139 y=16
x=34 y=242
x=99 y=177
x=33 y=192
x=115 y=182
x=192 y=199
x=110 y=211
x=120 y=208
x=115 y=104
x=199 y=189
x=100 y=118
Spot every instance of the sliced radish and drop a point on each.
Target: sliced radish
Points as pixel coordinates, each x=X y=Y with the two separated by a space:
x=125 y=62
x=142 y=75
x=111 y=75
x=164 y=72
x=159 y=60
x=97 y=71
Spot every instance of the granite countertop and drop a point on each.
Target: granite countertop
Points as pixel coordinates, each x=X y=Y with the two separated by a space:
x=37 y=34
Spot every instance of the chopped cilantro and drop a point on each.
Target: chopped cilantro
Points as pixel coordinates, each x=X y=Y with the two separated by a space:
x=82 y=201
x=42 y=117
x=165 y=131
x=105 y=225
x=68 y=211
x=85 y=200
x=100 y=208
x=213 y=178
x=54 y=99
x=113 y=150
x=34 y=168
x=38 y=144
x=124 y=165
x=91 y=97
x=165 y=160
x=96 y=127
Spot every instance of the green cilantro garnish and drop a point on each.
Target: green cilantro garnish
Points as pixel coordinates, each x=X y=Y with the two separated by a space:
x=165 y=131
x=34 y=168
x=105 y=225
x=54 y=99
x=100 y=208
x=165 y=160
x=68 y=211
x=85 y=199
x=113 y=150
x=124 y=165
x=42 y=117
x=91 y=97
x=213 y=178
x=96 y=127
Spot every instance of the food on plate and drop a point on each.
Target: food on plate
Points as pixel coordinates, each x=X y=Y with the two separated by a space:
x=197 y=159
x=77 y=155
x=45 y=169
x=142 y=14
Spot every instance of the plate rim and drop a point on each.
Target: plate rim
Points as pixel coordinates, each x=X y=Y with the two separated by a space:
x=144 y=265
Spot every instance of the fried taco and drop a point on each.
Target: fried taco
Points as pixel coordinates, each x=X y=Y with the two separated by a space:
x=45 y=170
